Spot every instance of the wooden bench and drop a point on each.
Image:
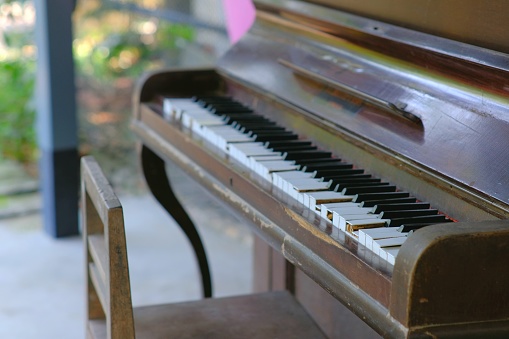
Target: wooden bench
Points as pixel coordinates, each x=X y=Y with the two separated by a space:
x=109 y=308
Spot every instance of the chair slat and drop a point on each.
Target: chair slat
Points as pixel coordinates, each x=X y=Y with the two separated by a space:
x=99 y=253
x=100 y=287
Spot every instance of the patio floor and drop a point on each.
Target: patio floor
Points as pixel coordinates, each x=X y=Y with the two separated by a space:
x=42 y=279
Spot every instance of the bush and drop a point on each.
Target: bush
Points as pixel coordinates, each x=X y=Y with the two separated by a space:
x=17 y=114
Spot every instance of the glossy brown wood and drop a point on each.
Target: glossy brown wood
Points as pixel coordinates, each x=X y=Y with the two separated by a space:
x=459 y=125
x=479 y=22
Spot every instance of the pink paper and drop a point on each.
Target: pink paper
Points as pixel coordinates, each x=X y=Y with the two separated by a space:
x=240 y=15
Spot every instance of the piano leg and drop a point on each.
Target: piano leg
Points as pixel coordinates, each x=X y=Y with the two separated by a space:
x=154 y=171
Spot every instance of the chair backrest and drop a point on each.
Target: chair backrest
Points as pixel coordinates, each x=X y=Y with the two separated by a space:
x=108 y=287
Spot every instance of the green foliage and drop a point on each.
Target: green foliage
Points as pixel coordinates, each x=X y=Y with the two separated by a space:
x=114 y=44
x=17 y=114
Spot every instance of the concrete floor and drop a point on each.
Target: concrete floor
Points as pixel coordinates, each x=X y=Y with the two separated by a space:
x=42 y=279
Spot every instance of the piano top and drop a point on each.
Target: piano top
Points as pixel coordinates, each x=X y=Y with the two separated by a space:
x=445 y=114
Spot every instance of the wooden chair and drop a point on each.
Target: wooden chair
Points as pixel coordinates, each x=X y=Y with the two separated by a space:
x=109 y=308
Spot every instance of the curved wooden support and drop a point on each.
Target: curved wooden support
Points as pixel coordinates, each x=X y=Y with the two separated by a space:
x=451 y=281
x=159 y=184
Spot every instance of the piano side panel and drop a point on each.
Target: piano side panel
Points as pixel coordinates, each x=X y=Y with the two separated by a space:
x=451 y=276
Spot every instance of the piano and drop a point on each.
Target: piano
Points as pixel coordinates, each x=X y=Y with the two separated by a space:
x=365 y=143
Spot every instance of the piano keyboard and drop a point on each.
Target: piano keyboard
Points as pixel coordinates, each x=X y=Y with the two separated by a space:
x=373 y=212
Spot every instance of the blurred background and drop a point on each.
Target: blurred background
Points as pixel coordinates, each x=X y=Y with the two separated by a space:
x=114 y=43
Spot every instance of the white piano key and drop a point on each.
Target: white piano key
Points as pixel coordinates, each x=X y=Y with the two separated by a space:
x=173 y=107
x=266 y=168
x=342 y=220
x=269 y=157
x=326 y=210
x=294 y=187
x=307 y=184
x=315 y=199
x=332 y=205
x=369 y=234
x=252 y=148
x=344 y=210
x=279 y=177
x=355 y=225
x=387 y=242
x=284 y=177
x=392 y=253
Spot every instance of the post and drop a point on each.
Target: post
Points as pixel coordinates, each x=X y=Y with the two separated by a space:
x=56 y=117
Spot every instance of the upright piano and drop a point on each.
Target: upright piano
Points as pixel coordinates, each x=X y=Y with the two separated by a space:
x=366 y=144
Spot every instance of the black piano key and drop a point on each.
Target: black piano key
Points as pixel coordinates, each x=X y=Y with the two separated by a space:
x=211 y=99
x=216 y=103
x=244 y=125
x=335 y=165
x=239 y=118
x=310 y=161
x=268 y=132
x=340 y=173
x=287 y=143
x=380 y=196
x=304 y=155
x=400 y=207
x=275 y=136
x=257 y=128
x=407 y=213
x=405 y=228
x=293 y=148
x=360 y=183
x=404 y=200
x=364 y=178
x=417 y=220
x=220 y=110
x=369 y=189
x=236 y=120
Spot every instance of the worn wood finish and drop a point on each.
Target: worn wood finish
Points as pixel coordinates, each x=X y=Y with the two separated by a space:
x=262 y=315
x=267 y=315
x=108 y=286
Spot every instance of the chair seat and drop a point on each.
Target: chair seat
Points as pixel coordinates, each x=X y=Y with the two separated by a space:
x=263 y=315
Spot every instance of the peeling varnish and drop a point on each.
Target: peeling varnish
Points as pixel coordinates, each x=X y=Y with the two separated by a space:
x=246 y=208
x=306 y=225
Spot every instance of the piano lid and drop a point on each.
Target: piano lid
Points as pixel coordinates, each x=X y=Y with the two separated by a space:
x=439 y=105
